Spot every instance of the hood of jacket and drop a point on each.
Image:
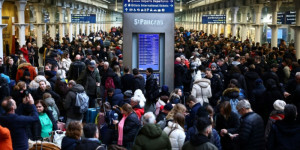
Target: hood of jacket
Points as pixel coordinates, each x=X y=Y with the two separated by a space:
x=117 y=91
x=231 y=91
x=198 y=139
x=204 y=83
x=77 y=88
x=50 y=101
x=25 y=65
x=151 y=130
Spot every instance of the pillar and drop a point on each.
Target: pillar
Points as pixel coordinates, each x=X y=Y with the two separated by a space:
x=234 y=11
x=227 y=22
x=39 y=28
x=21 y=21
x=88 y=26
x=62 y=23
x=77 y=29
x=244 y=11
x=275 y=8
x=258 y=10
x=1 y=27
x=83 y=25
x=52 y=25
x=69 y=12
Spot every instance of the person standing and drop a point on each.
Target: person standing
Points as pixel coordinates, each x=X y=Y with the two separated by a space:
x=151 y=137
x=90 y=80
x=5 y=139
x=251 y=131
x=17 y=123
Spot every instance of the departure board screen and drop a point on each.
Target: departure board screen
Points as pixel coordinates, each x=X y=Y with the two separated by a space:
x=148 y=45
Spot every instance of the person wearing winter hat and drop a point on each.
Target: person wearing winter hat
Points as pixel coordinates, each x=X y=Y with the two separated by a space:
x=136 y=106
x=276 y=114
x=201 y=89
x=139 y=94
x=26 y=77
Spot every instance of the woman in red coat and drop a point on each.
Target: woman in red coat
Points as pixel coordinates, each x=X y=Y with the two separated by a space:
x=25 y=52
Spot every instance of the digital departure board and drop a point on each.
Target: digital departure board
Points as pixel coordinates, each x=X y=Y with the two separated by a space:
x=81 y=18
x=148 y=48
x=213 y=19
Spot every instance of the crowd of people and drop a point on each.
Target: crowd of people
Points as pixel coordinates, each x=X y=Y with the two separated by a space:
x=228 y=95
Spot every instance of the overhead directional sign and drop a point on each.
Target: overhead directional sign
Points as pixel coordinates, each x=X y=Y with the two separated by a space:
x=148 y=6
x=213 y=19
x=81 y=18
x=288 y=17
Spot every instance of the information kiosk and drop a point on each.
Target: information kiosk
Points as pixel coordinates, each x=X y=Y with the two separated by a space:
x=148 y=28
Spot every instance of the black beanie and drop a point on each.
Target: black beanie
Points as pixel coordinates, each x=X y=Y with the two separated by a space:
x=26 y=72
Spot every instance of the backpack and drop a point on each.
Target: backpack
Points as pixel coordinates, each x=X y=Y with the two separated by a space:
x=82 y=103
x=54 y=112
x=109 y=83
x=78 y=68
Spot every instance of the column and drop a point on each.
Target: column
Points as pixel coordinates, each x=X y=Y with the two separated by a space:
x=227 y=22
x=39 y=28
x=88 y=26
x=21 y=21
x=1 y=27
x=244 y=11
x=208 y=27
x=69 y=12
x=83 y=25
x=52 y=25
x=258 y=10
x=297 y=28
x=234 y=11
x=77 y=11
x=275 y=8
x=62 y=23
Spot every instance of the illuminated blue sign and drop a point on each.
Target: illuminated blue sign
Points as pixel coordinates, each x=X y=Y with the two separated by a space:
x=213 y=19
x=81 y=18
x=148 y=6
x=148 y=51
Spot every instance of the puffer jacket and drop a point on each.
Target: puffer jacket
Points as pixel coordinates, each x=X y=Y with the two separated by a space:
x=34 y=84
x=251 y=132
x=176 y=135
x=202 y=90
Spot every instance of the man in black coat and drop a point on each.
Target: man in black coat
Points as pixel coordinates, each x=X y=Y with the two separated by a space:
x=76 y=68
x=139 y=81
x=251 y=132
x=127 y=80
x=179 y=70
x=152 y=90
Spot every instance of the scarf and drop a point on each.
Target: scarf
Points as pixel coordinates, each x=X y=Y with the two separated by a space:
x=120 y=130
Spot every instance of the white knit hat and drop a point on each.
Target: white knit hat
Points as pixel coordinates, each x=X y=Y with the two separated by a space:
x=198 y=76
x=279 y=105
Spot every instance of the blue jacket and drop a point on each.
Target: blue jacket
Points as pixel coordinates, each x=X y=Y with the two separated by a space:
x=17 y=126
x=117 y=98
x=68 y=143
x=5 y=77
x=190 y=118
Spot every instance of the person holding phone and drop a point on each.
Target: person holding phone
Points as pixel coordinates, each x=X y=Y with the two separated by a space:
x=16 y=122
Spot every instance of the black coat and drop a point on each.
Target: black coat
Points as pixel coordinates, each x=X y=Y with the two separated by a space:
x=151 y=91
x=86 y=144
x=179 y=74
x=127 y=81
x=250 y=78
x=38 y=94
x=251 y=133
x=139 y=83
x=131 y=128
x=284 y=136
x=231 y=124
